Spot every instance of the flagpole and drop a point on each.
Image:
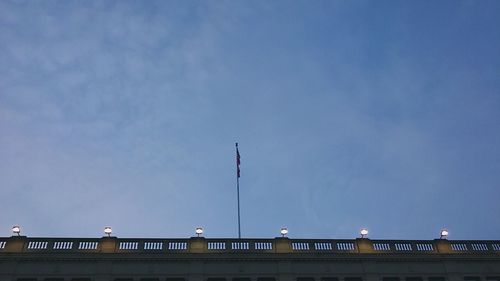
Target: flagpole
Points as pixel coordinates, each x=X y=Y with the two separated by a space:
x=238 y=187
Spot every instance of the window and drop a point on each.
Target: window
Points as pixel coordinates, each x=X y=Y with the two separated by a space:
x=329 y=279
x=305 y=279
x=413 y=278
x=390 y=279
x=436 y=278
x=241 y=279
x=266 y=279
x=353 y=279
x=216 y=279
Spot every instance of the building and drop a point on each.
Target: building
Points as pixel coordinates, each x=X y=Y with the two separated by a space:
x=280 y=259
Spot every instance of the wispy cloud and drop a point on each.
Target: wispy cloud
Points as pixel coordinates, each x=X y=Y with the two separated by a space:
x=348 y=115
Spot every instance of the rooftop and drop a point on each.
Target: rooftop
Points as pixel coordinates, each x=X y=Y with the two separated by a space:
x=193 y=245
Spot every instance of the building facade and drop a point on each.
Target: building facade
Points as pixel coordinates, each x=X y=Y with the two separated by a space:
x=280 y=259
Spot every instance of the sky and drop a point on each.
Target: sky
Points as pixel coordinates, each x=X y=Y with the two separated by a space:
x=348 y=114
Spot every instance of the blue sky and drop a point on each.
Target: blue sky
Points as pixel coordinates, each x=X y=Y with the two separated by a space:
x=349 y=114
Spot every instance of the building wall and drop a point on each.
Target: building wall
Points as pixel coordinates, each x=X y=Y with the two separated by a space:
x=199 y=259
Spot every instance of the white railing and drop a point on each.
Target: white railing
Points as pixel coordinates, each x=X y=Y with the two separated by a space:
x=88 y=245
x=37 y=245
x=63 y=245
x=216 y=245
x=263 y=246
x=128 y=245
x=153 y=245
x=345 y=246
x=381 y=247
x=178 y=246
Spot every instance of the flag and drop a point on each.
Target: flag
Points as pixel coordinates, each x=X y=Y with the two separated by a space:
x=237 y=161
